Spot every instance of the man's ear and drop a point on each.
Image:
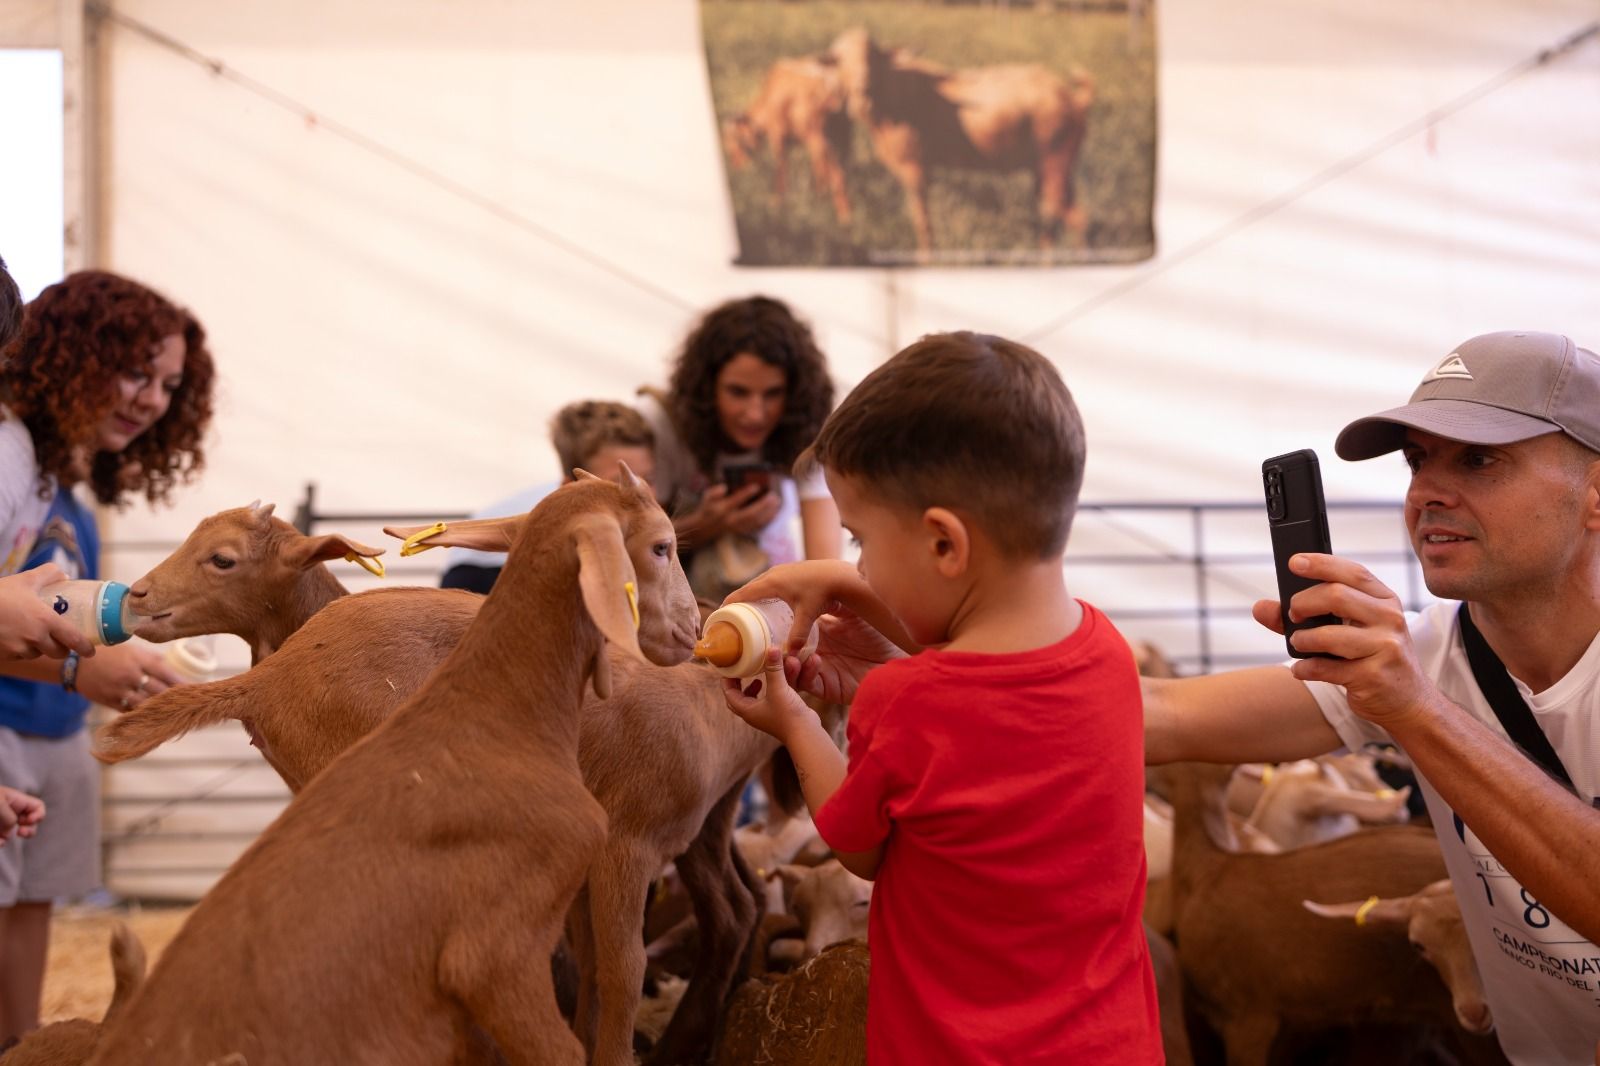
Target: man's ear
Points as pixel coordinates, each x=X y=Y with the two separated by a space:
x=948 y=539
x=1591 y=498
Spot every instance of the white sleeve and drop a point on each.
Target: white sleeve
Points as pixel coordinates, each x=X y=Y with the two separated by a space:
x=813 y=486
x=1355 y=731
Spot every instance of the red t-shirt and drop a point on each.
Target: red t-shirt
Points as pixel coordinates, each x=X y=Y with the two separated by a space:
x=1008 y=790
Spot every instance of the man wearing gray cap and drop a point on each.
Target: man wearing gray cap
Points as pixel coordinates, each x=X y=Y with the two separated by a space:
x=1503 y=509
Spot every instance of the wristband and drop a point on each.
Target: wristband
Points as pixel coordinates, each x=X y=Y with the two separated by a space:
x=69 y=672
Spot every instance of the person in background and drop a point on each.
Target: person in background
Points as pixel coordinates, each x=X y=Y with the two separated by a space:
x=1502 y=443
x=750 y=386
x=28 y=628
x=596 y=435
x=106 y=391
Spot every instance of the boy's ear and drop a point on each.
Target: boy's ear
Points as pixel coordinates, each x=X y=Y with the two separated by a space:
x=949 y=541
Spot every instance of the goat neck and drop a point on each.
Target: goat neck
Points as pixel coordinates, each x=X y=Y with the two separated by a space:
x=531 y=639
x=314 y=589
x=1200 y=833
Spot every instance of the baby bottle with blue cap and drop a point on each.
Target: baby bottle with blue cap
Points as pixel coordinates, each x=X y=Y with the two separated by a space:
x=98 y=609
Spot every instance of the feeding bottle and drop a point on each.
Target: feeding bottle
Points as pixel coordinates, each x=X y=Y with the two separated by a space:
x=192 y=657
x=98 y=609
x=737 y=635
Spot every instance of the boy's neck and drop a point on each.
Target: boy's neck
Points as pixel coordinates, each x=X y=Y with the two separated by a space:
x=1013 y=607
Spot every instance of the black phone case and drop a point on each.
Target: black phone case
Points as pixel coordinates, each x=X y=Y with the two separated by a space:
x=1298 y=518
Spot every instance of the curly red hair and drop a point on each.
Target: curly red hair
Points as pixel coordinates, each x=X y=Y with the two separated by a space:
x=59 y=378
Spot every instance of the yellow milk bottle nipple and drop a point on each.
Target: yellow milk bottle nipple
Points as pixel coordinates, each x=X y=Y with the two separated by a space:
x=721 y=645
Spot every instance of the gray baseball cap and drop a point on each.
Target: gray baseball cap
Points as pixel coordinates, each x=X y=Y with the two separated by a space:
x=1495 y=389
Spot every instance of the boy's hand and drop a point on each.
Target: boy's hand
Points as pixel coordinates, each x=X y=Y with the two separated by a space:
x=847 y=648
x=19 y=811
x=769 y=704
x=817 y=587
x=28 y=628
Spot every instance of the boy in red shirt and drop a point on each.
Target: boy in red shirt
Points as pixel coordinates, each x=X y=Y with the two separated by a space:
x=995 y=779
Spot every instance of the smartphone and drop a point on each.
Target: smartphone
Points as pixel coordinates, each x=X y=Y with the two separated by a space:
x=738 y=475
x=1298 y=518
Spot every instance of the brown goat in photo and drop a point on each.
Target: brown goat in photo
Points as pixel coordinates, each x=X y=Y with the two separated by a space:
x=416 y=886
x=800 y=101
x=922 y=116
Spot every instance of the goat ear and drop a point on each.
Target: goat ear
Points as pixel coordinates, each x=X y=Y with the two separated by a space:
x=479 y=534
x=1384 y=913
x=310 y=551
x=607 y=580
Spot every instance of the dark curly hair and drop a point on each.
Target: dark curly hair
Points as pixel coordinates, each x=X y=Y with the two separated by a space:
x=59 y=378
x=767 y=329
x=10 y=306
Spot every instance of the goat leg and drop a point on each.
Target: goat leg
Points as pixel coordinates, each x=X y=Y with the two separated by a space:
x=727 y=913
x=618 y=882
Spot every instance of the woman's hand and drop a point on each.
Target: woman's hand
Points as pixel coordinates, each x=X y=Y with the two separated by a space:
x=28 y=628
x=124 y=675
x=748 y=510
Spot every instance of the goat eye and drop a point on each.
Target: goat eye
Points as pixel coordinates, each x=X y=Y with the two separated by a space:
x=222 y=562
x=663 y=549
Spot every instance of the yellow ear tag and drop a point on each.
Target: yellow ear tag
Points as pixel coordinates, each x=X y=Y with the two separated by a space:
x=412 y=546
x=633 y=601
x=1266 y=774
x=371 y=566
x=1361 y=913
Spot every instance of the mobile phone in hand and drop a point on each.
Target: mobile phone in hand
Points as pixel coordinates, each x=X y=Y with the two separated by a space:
x=738 y=475
x=1298 y=518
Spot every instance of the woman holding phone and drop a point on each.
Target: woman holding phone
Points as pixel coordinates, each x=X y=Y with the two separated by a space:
x=748 y=392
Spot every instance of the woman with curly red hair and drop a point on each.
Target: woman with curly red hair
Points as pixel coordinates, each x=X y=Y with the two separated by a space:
x=108 y=387
x=750 y=387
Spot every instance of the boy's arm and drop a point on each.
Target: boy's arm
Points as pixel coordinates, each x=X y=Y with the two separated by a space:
x=1262 y=714
x=813 y=588
x=772 y=707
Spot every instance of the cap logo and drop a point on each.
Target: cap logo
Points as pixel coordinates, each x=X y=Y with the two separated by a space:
x=1452 y=367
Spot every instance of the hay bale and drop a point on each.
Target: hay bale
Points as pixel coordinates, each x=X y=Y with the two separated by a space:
x=77 y=977
x=816 y=1013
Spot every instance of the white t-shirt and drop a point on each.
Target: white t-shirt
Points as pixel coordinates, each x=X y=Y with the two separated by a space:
x=22 y=512
x=1541 y=978
x=679 y=484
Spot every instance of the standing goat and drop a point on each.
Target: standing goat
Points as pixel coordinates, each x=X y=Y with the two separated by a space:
x=406 y=893
x=662 y=756
x=922 y=116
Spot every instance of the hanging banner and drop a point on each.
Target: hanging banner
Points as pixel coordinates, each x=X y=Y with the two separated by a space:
x=901 y=132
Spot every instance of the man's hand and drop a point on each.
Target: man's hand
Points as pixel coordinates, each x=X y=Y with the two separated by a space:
x=19 y=811
x=1377 y=662
x=124 y=675
x=28 y=628
x=768 y=703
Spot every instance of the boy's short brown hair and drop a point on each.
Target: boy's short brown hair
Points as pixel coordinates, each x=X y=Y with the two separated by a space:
x=580 y=429
x=979 y=424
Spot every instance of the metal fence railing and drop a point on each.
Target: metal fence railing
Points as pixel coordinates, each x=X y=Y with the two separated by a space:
x=1179 y=574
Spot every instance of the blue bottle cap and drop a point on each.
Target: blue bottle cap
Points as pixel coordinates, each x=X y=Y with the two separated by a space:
x=113 y=597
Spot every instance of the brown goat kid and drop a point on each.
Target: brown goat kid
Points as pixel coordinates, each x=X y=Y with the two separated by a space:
x=802 y=100
x=353 y=663
x=404 y=893
x=243 y=572
x=922 y=116
x=1256 y=961
x=1431 y=920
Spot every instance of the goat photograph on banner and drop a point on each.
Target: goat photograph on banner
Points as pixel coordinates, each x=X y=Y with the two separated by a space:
x=894 y=132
